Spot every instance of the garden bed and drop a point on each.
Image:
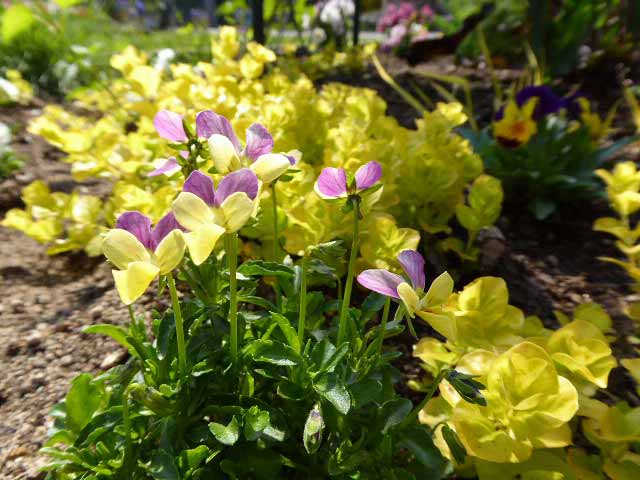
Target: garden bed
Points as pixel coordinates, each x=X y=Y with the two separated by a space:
x=547 y=266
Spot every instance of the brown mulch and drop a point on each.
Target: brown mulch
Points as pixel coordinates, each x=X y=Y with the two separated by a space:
x=46 y=301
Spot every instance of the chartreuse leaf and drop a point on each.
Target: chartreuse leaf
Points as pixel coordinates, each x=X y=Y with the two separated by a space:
x=227 y=435
x=82 y=401
x=15 y=20
x=119 y=334
x=330 y=387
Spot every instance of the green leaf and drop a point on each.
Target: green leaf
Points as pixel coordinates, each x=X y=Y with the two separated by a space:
x=16 y=19
x=119 y=334
x=313 y=428
x=394 y=412
x=330 y=387
x=192 y=458
x=260 y=267
x=227 y=435
x=418 y=441
x=542 y=208
x=289 y=332
x=82 y=401
x=255 y=421
x=364 y=391
x=325 y=356
x=64 y=4
x=271 y=351
x=455 y=446
x=163 y=467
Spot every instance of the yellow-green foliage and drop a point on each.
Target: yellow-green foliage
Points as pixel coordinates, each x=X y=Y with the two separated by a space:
x=535 y=378
x=425 y=171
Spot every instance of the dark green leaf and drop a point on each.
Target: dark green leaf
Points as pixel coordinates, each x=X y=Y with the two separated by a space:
x=330 y=387
x=163 y=467
x=289 y=332
x=455 y=446
x=227 y=435
x=394 y=412
x=271 y=351
x=260 y=267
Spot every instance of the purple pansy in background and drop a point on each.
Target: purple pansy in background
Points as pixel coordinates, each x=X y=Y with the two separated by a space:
x=332 y=182
x=169 y=126
x=139 y=225
x=386 y=283
x=227 y=152
x=169 y=167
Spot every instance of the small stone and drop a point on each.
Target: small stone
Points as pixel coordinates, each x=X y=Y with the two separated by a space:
x=17 y=305
x=16 y=452
x=38 y=380
x=34 y=339
x=113 y=359
x=96 y=312
x=66 y=360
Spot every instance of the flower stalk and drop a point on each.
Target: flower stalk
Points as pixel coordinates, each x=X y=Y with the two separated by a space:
x=232 y=254
x=302 y=315
x=383 y=324
x=342 y=324
x=177 y=313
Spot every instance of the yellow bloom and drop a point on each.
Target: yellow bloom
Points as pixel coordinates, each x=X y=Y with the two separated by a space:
x=141 y=254
x=516 y=127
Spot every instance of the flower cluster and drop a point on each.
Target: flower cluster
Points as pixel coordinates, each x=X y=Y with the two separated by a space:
x=404 y=23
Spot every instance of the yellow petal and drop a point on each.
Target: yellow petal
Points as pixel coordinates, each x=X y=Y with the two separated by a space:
x=170 y=251
x=191 y=211
x=132 y=282
x=223 y=153
x=409 y=298
x=123 y=248
x=201 y=241
x=440 y=290
x=236 y=211
x=442 y=323
x=270 y=166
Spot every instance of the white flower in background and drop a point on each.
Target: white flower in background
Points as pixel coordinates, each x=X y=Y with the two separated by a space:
x=8 y=91
x=5 y=137
x=164 y=59
x=335 y=12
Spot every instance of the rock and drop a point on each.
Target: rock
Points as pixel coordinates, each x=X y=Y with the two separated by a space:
x=17 y=305
x=95 y=313
x=34 y=339
x=19 y=451
x=113 y=359
x=66 y=360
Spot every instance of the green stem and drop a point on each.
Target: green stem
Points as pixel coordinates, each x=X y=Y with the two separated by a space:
x=302 y=315
x=383 y=324
x=349 y=283
x=274 y=204
x=126 y=420
x=232 y=254
x=177 y=313
x=428 y=396
x=132 y=316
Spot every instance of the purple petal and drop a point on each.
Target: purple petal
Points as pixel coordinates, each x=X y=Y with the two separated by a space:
x=165 y=225
x=168 y=166
x=137 y=224
x=259 y=141
x=413 y=264
x=332 y=182
x=201 y=185
x=243 y=180
x=208 y=123
x=381 y=281
x=169 y=126
x=292 y=160
x=368 y=175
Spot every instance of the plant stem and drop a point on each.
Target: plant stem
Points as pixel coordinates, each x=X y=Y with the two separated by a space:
x=302 y=314
x=132 y=316
x=232 y=258
x=126 y=420
x=432 y=390
x=349 y=283
x=383 y=324
x=177 y=314
x=274 y=204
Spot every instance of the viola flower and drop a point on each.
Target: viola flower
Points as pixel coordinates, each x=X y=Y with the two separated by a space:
x=169 y=167
x=517 y=126
x=333 y=183
x=411 y=292
x=141 y=253
x=208 y=213
x=548 y=102
x=169 y=126
x=227 y=152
